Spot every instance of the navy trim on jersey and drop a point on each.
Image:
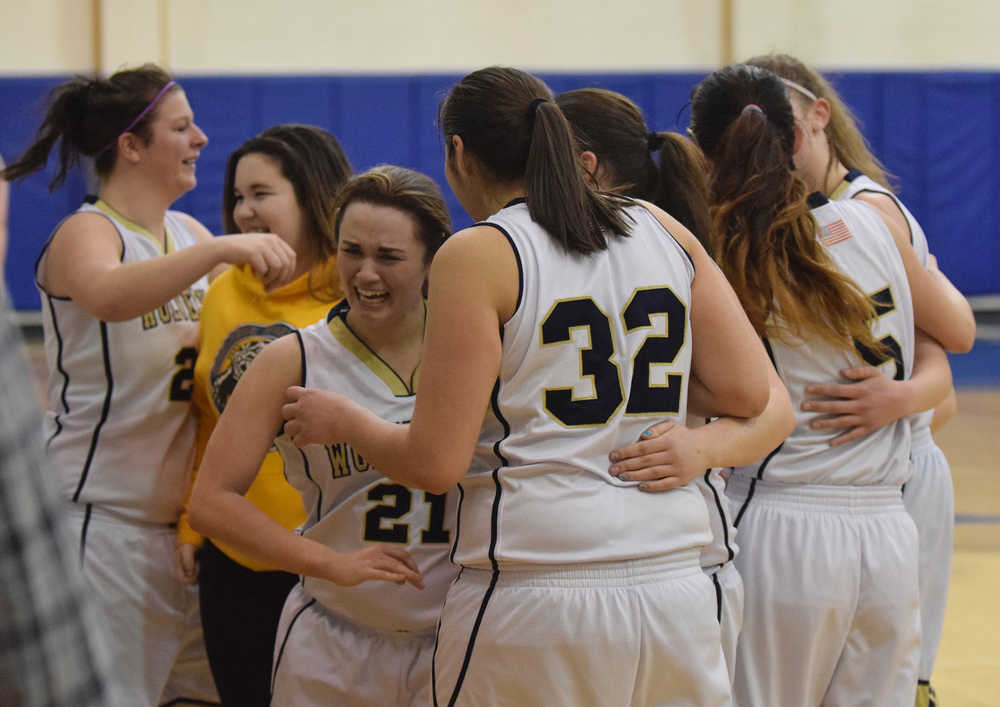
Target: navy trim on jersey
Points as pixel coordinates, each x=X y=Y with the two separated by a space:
x=909 y=228
x=722 y=513
x=746 y=503
x=718 y=596
x=852 y=174
x=816 y=199
x=319 y=500
x=59 y=367
x=517 y=255
x=83 y=530
x=302 y=358
x=458 y=523
x=284 y=641
x=105 y=410
x=494 y=535
x=434 y=653
x=190 y=701
x=340 y=311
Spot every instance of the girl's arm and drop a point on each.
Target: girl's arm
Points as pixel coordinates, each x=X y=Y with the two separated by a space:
x=938 y=307
x=671 y=454
x=473 y=291
x=874 y=400
x=84 y=264
x=241 y=439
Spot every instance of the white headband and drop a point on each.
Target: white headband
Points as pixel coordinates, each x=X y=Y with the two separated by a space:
x=800 y=88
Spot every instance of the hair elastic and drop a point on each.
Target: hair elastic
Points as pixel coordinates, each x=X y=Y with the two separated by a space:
x=655 y=141
x=533 y=108
x=752 y=107
x=800 y=88
x=149 y=107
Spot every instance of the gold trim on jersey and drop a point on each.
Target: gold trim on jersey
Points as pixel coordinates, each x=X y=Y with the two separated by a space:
x=839 y=190
x=166 y=246
x=350 y=341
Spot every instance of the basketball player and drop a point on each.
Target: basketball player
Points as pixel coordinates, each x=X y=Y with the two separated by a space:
x=575 y=321
x=338 y=643
x=836 y=160
x=828 y=554
x=121 y=282
x=616 y=148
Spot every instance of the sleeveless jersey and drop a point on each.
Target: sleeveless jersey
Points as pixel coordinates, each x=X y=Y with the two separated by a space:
x=119 y=421
x=722 y=548
x=856 y=183
x=860 y=245
x=598 y=349
x=349 y=504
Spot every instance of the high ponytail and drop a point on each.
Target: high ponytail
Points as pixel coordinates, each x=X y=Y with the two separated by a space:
x=509 y=123
x=613 y=128
x=86 y=116
x=763 y=235
x=847 y=144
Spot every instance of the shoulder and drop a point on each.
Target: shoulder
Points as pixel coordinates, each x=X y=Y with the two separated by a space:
x=887 y=207
x=87 y=230
x=192 y=224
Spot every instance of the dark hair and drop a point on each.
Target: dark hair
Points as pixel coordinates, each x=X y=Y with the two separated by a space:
x=847 y=144
x=87 y=115
x=313 y=161
x=411 y=192
x=763 y=235
x=612 y=127
x=508 y=121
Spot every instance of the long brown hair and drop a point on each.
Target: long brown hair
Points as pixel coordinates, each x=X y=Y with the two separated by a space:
x=763 y=235
x=613 y=128
x=86 y=115
x=313 y=161
x=847 y=144
x=508 y=121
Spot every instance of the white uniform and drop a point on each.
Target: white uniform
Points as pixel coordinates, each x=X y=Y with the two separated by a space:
x=121 y=435
x=717 y=561
x=929 y=495
x=577 y=588
x=370 y=644
x=829 y=555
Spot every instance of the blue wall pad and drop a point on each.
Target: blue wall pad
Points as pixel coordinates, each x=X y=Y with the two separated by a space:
x=935 y=131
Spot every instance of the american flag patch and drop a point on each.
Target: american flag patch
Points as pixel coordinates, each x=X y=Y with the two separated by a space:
x=836 y=232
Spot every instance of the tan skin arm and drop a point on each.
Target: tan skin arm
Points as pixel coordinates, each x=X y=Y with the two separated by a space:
x=873 y=399
x=473 y=291
x=84 y=264
x=671 y=454
x=241 y=439
x=938 y=307
x=944 y=412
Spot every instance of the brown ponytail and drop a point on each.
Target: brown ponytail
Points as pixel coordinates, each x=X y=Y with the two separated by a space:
x=509 y=123
x=612 y=127
x=86 y=116
x=763 y=235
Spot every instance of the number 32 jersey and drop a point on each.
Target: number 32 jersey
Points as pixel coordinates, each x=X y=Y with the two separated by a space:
x=598 y=349
x=119 y=419
x=351 y=505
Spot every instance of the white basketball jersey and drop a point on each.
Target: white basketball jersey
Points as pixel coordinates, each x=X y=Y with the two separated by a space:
x=349 y=504
x=598 y=349
x=119 y=419
x=860 y=245
x=856 y=183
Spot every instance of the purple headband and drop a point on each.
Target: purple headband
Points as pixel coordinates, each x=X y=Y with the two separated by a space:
x=152 y=103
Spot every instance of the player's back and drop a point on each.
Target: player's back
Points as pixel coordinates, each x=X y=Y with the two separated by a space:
x=861 y=247
x=598 y=349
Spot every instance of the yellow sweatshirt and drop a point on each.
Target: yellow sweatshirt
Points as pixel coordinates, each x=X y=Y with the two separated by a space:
x=238 y=317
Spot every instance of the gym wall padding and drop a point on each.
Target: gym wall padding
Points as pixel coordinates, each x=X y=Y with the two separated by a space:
x=936 y=131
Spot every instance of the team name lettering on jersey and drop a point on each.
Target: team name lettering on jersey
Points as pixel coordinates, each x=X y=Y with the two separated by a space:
x=185 y=307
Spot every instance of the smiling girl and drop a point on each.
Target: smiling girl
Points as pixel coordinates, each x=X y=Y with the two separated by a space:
x=337 y=643
x=122 y=282
x=282 y=181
